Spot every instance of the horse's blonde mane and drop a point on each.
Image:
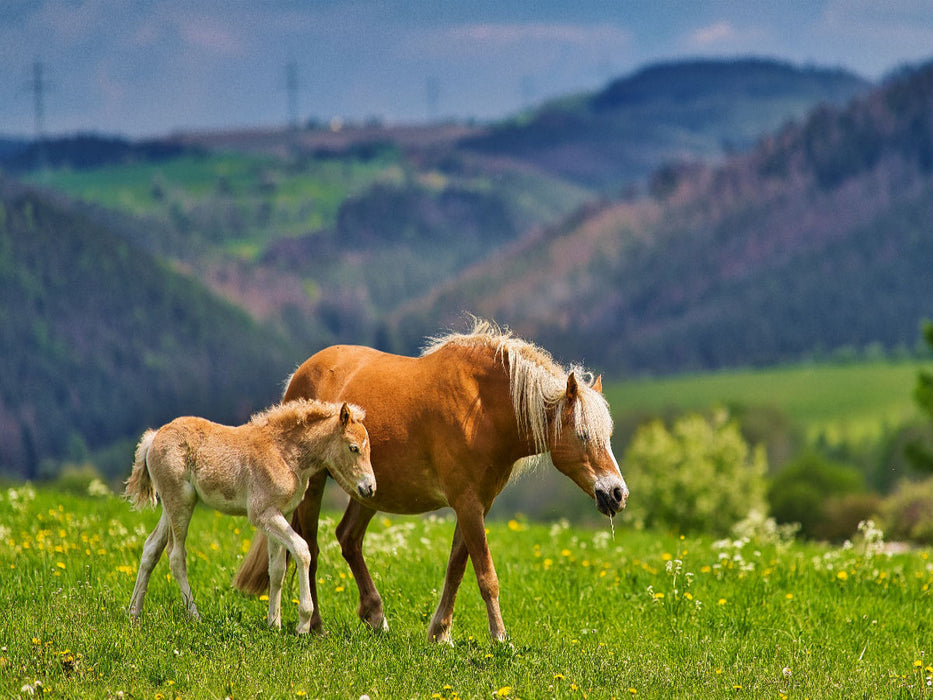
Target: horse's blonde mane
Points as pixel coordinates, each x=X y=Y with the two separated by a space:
x=538 y=384
x=293 y=412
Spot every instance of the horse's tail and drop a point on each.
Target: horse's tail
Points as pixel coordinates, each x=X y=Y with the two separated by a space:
x=140 y=491
x=252 y=577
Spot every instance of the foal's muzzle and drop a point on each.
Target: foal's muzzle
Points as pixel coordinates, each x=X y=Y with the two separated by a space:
x=366 y=488
x=611 y=495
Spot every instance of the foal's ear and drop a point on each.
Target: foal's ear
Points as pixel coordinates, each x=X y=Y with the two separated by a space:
x=598 y=384
x=572 y=388
x=344 y=414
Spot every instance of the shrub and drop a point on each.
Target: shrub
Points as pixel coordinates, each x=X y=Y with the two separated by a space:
x=907 y=514
x=699 y=476
x=811 y=490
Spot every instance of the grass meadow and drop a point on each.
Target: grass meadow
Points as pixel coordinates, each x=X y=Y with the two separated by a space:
x=637 y=614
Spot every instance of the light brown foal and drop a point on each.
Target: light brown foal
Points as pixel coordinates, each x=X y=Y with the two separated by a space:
x=261 y=470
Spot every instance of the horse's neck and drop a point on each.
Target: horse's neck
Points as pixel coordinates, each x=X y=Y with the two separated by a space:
x=496 y=390
x=303 y=454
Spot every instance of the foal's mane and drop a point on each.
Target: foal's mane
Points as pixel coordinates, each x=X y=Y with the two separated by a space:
x=290 y=413
x=537 y=384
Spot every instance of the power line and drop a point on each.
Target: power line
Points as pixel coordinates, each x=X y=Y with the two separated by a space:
x=291 y=88
x=38 y=85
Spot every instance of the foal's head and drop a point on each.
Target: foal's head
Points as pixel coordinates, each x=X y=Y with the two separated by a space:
x=579 y=445
x=347 y=455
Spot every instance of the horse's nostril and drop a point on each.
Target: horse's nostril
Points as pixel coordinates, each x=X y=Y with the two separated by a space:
x=365 y=490
x=617 y=494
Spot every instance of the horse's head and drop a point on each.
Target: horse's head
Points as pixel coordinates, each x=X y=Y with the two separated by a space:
x=350 y=464
x=580 y=446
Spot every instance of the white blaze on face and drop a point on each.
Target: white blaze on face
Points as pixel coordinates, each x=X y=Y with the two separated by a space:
x=618 y=469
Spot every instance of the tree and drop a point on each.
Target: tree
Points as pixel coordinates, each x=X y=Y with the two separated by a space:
x=699 y=476
x=919 y=453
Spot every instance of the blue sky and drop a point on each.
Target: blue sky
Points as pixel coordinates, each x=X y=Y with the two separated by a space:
x=151 y=67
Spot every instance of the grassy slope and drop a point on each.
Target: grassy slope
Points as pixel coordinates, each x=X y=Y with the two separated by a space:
x=838 y=402
x=588 y=615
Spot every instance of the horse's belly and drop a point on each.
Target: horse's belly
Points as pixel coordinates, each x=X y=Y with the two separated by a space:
x=407 y=494
x=227 y=501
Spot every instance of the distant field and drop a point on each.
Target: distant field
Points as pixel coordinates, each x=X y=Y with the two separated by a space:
x=839 y=402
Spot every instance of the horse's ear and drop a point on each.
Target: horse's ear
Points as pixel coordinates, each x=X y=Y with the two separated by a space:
x=344 y=414
x=572 y=388
x=598 y=384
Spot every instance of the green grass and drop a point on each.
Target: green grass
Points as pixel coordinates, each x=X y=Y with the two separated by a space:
x=836 y=403
x=643 y=615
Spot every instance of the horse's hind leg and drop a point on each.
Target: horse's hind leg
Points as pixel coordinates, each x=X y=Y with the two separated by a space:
x=182 y=510
x=350 y=533
x=439 y=629
x=152 y=550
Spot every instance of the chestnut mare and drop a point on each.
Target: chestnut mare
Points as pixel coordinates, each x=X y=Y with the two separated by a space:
x=447 y=429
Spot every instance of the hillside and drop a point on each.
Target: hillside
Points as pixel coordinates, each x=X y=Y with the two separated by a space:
x=816 y=240
x=100 y=340
x=697 y=110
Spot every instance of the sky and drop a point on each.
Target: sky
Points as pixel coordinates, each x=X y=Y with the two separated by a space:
x=149 y=68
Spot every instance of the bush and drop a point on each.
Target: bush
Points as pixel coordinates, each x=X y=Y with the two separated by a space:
x=812 y=491
x=699 y=476
x=907 y=514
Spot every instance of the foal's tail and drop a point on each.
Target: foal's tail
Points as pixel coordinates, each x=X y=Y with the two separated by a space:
x=140 y=491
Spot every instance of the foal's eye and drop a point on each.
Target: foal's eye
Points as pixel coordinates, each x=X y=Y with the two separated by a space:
x=354 y=448
x=583 y=436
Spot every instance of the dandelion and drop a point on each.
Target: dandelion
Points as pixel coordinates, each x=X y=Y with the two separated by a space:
x=721 y=601
x=504 y=691
x=565 y=552
x=515 y=526
x=633 y=692
x=842 y=576
x=558 y=676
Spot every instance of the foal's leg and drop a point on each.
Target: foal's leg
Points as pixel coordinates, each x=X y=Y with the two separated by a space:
x=152 y=551
x=277 y=566
x=305 y=522
x=439 y=629
x=470 y=520
x=182 y=508
x=350 y=533
x=280 y=533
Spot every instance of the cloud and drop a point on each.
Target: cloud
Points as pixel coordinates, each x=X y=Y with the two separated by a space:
x=712 y=34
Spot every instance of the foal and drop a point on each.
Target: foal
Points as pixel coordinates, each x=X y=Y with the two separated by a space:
x=261 y=470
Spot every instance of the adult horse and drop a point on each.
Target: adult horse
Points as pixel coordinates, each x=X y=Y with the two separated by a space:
x=447 y=429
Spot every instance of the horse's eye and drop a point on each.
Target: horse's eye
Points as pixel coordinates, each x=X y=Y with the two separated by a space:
x=354 y=448
x=583 y=436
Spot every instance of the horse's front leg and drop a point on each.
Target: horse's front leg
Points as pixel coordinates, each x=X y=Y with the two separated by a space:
x=439 y=629
x=470 y=520
x=350 y=533
x=305 y=523
x=280 y=533
x=277 y=566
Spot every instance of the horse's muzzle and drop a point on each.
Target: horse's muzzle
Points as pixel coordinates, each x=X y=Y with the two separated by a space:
x=611 y=495
x=366 y=489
